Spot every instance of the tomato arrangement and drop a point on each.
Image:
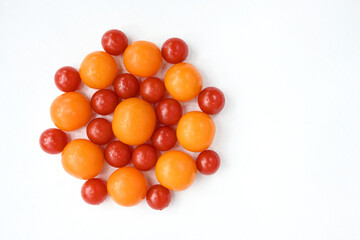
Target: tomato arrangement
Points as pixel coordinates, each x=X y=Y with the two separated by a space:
x=142 y=124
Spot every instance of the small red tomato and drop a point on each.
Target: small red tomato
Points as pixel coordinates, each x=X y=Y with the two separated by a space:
x=158 y=197
x=117 y=154
x=208 y=162
x=152 y=89
x=126 y=85
x=67 y=79
x=114 y=42
x=94 y=191
x=164 y=138
x=104 y=101
x=211 y=100
x=168 y=111
x=99 y=131
x=174 y=50
x=53 y=141
x=144 y=157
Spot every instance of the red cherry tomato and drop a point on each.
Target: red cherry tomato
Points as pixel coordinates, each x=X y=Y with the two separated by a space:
x=152 y=89
x=117 y=154
x=53 y=140
x=164 y=138
x=168 y=111
x=208 y=162
x=211 y=100
x=174 y=50
x=158 y=197
x=114 y=42
x=99 y=131
x=126 y=85
x=94 y=191
x=67 y=79
x=104 y=101
x=144 y=157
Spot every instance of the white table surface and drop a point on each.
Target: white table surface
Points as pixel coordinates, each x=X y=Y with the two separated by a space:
x=289 y=136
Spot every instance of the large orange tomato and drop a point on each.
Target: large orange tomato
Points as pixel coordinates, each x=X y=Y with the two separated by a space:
x=134 y=121
x=98 y=70
x=70 y=111
x=183 y=81
x=175 y=170
x=82 y=159
x=142 y=59
x=127 y=186
x=195 y=131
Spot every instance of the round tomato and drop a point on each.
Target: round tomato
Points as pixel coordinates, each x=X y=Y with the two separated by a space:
x=144 y=157
x=152 y=89
x=126 y=86
x=168 y=111
x=99 y=131
x=208 y=162
x=114 y=42
x=158 y=197
x=67 y=79
x=211 y=100
x=117 y=154
x=104 y=101
x=53 y=140
x=164 y=138
x=174 y=50
x=94 y=191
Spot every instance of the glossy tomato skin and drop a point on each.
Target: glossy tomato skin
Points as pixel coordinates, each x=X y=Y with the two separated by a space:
x=114 y=42
x=67 y=79
x=99 y=131
x=126 y=86
x=152 y=89
x=174 y=50
x=168 y=111
x=211 y=100
x=164 y=138
x=104 y=101
x=208 y=162
x=158 y=197
x=144 y=157
x=94 y=191
x=117 y=154
x=53 y=140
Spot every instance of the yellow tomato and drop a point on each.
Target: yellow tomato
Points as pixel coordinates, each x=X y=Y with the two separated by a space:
x=183 y=81
x=142 y=59
x=175 y=170
x=195 y=131
x=98 y=70
x=134 y=121
x=70 y=111
x=127 y=186
x=82 y=159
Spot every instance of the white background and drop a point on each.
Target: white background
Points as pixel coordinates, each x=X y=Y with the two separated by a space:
x=289 y=136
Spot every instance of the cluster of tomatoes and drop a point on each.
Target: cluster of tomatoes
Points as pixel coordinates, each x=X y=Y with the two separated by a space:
x=147 y=122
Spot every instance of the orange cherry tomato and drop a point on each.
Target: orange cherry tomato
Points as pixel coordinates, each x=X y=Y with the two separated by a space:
x=142 y=59
x=98 y=70
x=82 y=159
x=175 y=170
x=183 y=81
x=127 y=186
x=134 y=121
x=195 y=131
x=70 y=111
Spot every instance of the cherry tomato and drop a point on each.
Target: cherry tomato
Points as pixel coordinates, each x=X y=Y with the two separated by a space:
x=117 y=154
x=208 y=162
x=94 y=191
x=152 y=89
x=158 y=197
x=99 y=131
x=168 y=111
x=144 y=157
x=164 y=138
x=53 y=140
x=126 y=86
x=174 y=50
x=114 y=42
x=67 y=79
x=104 y=101
x=211 y=100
